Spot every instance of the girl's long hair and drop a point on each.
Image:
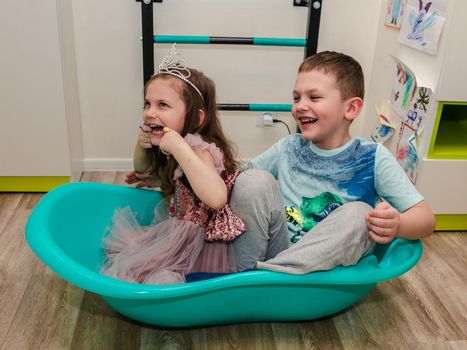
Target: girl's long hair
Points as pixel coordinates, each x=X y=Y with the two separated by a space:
x=210 y=129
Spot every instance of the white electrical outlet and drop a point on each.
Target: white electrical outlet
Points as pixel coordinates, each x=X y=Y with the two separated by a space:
x=259 y=120
x=265 y=119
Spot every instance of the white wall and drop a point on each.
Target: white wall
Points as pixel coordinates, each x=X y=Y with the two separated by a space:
x=109 y=61
x=352 y=27
x=426 y=67
x=442 y=182
x=38 y=90
x=452 y=82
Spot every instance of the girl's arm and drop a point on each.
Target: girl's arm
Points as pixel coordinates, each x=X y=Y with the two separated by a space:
x=142 y=162
x=198 y=166
x=141 y=159
x=142 y=156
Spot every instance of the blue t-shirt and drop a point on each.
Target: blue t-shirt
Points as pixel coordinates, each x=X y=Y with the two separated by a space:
x=314 y=182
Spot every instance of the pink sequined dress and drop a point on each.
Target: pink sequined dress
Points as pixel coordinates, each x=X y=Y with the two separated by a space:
x=194 y=238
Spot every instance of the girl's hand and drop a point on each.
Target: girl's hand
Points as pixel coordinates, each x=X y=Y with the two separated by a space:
x=140 y=179
x=169 y=141
x=383 y=223
x=144 y=137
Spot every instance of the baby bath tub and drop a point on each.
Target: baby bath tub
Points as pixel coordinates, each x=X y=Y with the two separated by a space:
x=65 y=231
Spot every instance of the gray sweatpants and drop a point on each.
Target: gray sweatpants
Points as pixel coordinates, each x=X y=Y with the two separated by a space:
x=340 y=239
x=256 y=198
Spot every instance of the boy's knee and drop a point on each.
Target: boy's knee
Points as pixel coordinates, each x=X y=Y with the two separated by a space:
x=354 y=215
x=356 y=240
x=253 y=184
x=357 y=209
x=254 y=179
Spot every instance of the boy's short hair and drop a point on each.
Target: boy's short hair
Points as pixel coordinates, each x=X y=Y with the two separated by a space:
x=346 y=70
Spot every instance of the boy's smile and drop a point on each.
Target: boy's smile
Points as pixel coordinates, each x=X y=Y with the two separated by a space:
x=319 y=110
x=308 y=120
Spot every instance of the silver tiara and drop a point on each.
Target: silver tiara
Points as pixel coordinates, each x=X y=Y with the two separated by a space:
x=174 y=65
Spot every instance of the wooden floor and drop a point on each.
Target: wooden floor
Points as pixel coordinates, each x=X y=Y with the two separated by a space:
x=424 y=309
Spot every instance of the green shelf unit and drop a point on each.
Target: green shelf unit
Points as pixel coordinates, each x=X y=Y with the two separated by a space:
x=31 y=183
x=451 y=222
x=449 y=138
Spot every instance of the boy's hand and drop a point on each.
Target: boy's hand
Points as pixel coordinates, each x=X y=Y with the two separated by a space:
x=169 y=141
x=144 y=137
x=383 y=223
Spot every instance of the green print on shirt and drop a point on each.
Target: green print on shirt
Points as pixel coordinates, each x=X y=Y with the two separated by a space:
x=318 y=208
x=312 y=211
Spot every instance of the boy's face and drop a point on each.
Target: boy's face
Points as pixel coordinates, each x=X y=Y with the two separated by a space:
x=319 y=110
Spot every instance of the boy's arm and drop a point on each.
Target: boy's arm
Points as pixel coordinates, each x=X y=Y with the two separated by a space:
x=385 y=223
x=417 y=222
x=268 y=160
x=404 y=212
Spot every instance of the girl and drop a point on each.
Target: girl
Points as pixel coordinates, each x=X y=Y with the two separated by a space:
x=182 y=146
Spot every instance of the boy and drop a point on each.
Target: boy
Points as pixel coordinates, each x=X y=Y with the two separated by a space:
x=329 y=181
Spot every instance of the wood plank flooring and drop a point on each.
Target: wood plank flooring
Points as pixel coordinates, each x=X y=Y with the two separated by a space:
x=424 y=309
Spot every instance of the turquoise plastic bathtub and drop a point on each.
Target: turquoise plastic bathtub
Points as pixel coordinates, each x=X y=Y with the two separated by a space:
x=65 y=231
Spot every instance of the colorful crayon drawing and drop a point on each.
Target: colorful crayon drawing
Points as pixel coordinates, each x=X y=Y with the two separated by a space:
x=420 y=22
x=418 y=108
x=403 y=88
x=384 y=130
x=421 y=27
x=406 y=153
x=394 y=13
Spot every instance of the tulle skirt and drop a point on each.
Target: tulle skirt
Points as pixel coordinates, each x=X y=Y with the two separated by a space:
x=162 y=253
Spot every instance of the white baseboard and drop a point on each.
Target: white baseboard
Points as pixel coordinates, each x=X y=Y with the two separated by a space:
x=108 y=164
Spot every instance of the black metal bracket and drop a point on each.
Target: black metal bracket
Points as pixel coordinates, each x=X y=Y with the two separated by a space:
x=147 y=19
x=303 y=3
x=147 y=38
x=314 y=17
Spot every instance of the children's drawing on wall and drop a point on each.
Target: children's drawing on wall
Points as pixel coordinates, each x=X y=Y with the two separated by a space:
x=407 y=151
x=422 y=24
x=403 y=88
x=394 y=13
x=410 y=99
x=385 y=129
x=418 y=108
x=411 y=102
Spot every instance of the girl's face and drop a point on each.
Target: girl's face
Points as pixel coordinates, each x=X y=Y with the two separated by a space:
x=163 y=106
